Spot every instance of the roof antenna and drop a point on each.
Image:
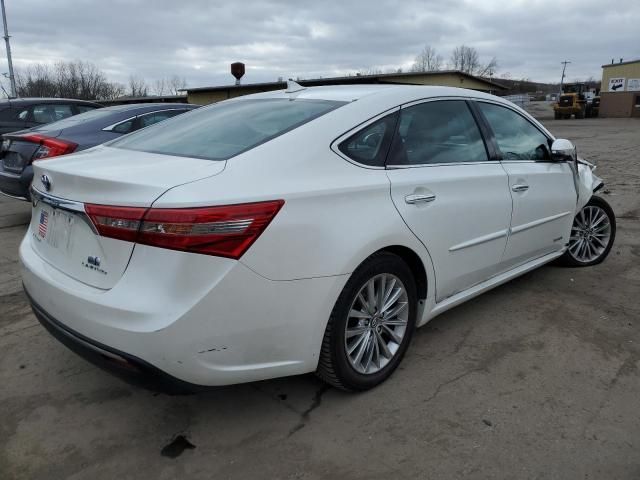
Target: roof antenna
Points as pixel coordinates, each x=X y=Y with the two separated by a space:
x=293 y=86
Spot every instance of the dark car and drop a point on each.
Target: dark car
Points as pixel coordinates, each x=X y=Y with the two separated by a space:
x=73 y=134
x=20 y=113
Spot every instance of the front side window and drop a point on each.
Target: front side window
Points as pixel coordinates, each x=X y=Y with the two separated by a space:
x=221 y=131
x=369 y=146
x=437 y=132
x=516 y=137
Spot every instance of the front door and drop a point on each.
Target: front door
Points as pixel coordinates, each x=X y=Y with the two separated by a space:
x=543 y=192
x=453 y=198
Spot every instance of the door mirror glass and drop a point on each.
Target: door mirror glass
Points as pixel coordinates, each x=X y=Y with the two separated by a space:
x=562 y=150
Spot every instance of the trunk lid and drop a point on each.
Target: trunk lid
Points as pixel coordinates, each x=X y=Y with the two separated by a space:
x=64 y=236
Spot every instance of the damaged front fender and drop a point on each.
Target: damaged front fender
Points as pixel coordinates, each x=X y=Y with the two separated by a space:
x=587 y=182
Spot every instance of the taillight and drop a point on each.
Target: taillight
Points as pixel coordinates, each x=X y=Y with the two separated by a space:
x=225 y=231
x=49 y=147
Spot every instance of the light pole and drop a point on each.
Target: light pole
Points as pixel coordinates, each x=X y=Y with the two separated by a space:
x=12 y=78
x=564 y=67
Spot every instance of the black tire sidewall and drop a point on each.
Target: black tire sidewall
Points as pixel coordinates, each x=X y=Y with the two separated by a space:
x=376 y=265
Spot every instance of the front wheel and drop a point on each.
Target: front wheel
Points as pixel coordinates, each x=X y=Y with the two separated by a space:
x=592 y=234
x=370 y=326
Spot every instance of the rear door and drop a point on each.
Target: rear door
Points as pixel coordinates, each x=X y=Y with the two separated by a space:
x=450 y=194
x=543 y=191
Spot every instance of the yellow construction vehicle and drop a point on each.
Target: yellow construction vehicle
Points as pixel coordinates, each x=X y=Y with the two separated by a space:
x=575 y=100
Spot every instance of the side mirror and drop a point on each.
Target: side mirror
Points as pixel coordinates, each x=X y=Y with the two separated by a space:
x=562 y=150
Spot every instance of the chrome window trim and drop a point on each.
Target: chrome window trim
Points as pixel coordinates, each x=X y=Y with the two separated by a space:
x=448 y=164
x=110 y=128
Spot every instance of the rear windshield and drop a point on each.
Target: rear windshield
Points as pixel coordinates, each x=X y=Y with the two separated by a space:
x=223 y=130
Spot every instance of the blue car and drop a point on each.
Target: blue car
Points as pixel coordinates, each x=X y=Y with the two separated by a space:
x=73 y=134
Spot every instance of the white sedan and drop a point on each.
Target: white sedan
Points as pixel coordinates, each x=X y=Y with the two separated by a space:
x=305 y=230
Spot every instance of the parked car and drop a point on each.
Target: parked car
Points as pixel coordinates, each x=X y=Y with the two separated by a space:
x=73 y=134
x=303 y=230
x=20 y=113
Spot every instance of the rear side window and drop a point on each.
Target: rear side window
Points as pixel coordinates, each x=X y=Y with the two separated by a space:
x=51 y=113
x=224 y=130
x=370 y=145
x=437 y=132
x=151 y=118
x=516 y=137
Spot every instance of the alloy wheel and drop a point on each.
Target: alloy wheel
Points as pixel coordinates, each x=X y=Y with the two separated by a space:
x=590 y=234
x=377 y=323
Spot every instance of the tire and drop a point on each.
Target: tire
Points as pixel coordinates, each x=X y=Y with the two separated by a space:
x=336 y=365
x=556 y=115
x=580 y=113
x=595 y=247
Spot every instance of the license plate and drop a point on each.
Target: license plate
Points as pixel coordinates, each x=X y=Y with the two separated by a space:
x=54 y=227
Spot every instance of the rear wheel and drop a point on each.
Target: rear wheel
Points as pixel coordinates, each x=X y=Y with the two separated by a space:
x=370 y=326
x=592 y=234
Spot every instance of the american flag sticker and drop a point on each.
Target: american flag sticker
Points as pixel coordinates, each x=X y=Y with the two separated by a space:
x=42 y=226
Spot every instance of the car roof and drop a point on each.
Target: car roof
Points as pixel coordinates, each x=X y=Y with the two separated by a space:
x=131 y=107
x=399 y=93
x=32 y=100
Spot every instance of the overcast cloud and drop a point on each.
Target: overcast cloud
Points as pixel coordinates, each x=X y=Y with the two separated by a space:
x=198 y=39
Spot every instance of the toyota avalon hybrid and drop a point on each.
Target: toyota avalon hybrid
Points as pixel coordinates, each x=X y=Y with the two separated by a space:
x=303 y=230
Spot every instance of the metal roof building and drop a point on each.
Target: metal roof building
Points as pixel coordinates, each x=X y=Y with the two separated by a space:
x=448 y=78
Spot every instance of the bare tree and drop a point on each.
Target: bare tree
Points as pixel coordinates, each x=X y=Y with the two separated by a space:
x=82 y=80
x=465 y=59
x=175 y=84
x=427 y=60
x=488 y=70
x=160 y=87
x=137 y=87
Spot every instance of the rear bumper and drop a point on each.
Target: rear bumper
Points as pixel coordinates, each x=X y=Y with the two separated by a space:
x=128 y=367
x=206 y=321
x=16 y=185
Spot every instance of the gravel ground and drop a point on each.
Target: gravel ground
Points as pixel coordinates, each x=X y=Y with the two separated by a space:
x=535 y=379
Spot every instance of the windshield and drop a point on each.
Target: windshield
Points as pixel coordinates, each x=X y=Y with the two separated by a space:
x=224 y=130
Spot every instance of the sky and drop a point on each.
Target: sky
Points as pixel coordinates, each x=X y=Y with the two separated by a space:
x=198 y=39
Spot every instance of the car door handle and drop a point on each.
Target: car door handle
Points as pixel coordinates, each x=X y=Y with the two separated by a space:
x=419 y=198
x=520 y=188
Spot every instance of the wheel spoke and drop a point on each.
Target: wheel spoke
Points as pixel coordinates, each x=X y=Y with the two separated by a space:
x=371 y=295
x=380 y=292
x=365 y=304
x=394 y=336
x=392 y=299
x=383 y=346
x=361 y=349
x=352 y=332
x=358 y=314
x=352 y=348
x=388 y=293
x=399 y=308
x=393 y=322
x=369 y=353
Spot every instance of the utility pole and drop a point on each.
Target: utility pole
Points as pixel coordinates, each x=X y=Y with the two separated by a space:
x=564 y=67
x=12 y=78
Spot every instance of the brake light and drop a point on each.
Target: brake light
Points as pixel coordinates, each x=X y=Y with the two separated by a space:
x=49 y=146
x=224 y=231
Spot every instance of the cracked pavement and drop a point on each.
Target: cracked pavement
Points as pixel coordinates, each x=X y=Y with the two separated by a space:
x=538 y=378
